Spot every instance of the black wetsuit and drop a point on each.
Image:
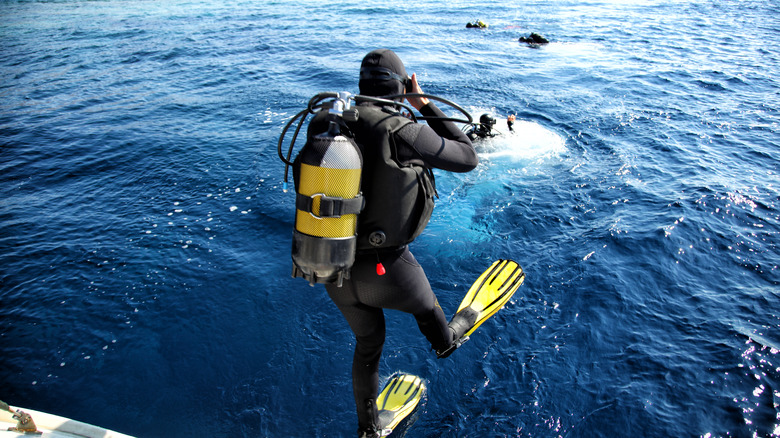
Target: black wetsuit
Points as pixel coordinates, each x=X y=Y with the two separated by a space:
x=481 y=131
x=404 y=286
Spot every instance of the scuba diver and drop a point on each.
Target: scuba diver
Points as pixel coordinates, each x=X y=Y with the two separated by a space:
x=477 y=24
x=365 y=190
x=398 y=187
x=485 y=127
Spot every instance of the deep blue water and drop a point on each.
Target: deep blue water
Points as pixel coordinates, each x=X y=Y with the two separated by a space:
x=144 y=251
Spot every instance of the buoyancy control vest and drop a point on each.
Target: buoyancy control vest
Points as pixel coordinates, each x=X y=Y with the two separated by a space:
x=399 y=197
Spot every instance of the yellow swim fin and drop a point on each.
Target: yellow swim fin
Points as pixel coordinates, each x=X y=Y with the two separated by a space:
x=398 y=399
x=486 y=296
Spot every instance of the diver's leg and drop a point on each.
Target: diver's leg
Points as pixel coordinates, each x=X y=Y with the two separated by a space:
x=405 y=287
x=368 y=325
x=433 y=325
x=365 y=379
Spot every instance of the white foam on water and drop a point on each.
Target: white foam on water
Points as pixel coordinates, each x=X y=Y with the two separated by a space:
x=528 y=141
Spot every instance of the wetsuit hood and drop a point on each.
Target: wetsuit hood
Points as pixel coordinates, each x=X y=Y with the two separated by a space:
x=382 y=73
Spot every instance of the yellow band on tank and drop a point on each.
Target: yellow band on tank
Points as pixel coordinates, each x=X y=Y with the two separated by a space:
x=342 y=183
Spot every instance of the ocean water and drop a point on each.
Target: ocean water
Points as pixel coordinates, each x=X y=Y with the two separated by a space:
x=145 y=245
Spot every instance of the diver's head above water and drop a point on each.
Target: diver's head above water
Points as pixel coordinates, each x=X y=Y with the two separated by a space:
x=487 y=121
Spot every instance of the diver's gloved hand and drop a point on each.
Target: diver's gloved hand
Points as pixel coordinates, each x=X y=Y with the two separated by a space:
x=417 y=102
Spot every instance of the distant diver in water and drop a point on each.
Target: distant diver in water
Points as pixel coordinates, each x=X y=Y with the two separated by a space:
x=485 y=127
x=478 y=24
x=534 y=40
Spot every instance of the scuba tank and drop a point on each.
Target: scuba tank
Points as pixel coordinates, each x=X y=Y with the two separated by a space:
x=328 y=200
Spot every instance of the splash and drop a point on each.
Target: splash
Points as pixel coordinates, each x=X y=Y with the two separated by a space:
x=528 y=141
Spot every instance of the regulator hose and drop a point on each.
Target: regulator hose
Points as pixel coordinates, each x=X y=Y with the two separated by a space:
x=468 y=120
x=315 y=105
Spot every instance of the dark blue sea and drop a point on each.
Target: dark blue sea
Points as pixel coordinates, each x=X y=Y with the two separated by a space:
x=145 y=236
